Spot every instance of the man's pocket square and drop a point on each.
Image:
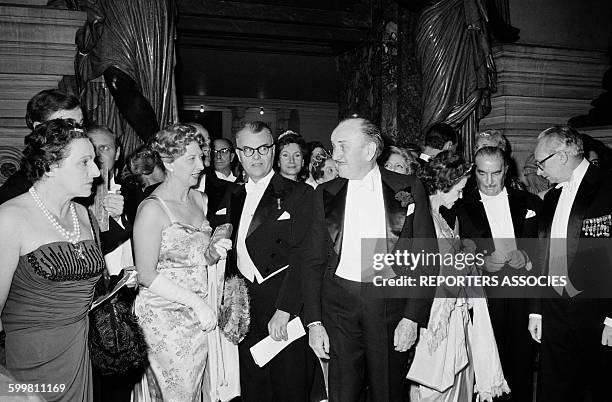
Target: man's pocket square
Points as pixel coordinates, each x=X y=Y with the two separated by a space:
x=221 y=212
x=284 y=216
x=410 y=209
x=530 y=214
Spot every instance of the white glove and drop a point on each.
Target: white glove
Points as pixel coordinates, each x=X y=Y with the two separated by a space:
x=169 y=290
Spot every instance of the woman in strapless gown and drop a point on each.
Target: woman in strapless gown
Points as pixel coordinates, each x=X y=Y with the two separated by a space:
x=171 y=244
x=48 y=272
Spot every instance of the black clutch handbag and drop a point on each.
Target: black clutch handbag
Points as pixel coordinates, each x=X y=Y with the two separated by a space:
x=117 y=344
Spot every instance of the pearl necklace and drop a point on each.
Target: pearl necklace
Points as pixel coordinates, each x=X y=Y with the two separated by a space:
x=73 y=236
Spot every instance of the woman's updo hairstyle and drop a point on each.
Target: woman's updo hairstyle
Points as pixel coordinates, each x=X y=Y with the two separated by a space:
x=48 y=145
x=171 y=142
x=444 y=171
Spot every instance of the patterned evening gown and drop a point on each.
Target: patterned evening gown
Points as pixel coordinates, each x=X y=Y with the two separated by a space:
x=46 y=318
x=178 y=346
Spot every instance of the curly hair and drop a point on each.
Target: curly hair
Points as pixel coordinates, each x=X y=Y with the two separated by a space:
x=290 y=137
x=171 y=142
x=444 y=171
x=48 y=145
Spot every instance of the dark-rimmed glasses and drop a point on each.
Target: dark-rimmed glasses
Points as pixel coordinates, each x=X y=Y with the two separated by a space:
x=262 y=150
x=540 y=164
x=221 y=152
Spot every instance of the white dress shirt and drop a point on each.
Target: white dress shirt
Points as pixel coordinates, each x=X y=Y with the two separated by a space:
x=202 y=185
x=497 y=209
x=364 y=218
x=121 y=257
x=229 y=177
x=254 y=192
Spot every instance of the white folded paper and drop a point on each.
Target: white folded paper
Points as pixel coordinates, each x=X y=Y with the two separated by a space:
x=129 y=278
x=265 y=350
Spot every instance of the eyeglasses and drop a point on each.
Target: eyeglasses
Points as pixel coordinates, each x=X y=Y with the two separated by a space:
x=540 y=164
x=262 y=150
x=221 y=152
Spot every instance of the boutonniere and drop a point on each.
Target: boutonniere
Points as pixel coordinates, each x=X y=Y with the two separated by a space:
x=405 y=197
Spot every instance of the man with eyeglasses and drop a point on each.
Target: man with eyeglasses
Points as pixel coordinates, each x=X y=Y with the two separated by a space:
x=223 y=156
x=271 y=216
x=574 y=322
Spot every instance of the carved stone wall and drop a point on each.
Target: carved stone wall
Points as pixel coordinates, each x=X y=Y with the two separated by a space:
x=36 y=50
x=541 y=86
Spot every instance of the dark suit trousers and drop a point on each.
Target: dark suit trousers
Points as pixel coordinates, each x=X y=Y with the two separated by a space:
x=361 y=330
x=285 y=378
x=510 y=318
x=573 y=363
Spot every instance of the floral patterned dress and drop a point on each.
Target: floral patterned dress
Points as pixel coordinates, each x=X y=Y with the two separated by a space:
x=178 y=346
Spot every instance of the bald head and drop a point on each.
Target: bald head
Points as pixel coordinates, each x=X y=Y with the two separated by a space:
x=356 y=144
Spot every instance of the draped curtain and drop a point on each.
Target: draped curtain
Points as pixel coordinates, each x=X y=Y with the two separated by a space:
x=137 y=37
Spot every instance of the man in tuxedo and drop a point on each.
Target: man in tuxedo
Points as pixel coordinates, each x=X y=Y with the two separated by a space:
x=210 y=184
x=271 y=216
x=365 y=335
x=223 y=157
x=504 y=220
x=575 y=327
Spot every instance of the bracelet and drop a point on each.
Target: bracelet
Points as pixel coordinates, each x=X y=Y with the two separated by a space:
x=314 y=324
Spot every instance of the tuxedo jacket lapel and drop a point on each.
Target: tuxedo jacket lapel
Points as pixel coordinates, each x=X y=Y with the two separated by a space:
x=476 y=211
x=236 y=205
x=270 y=204
x=395 y=213
x=548 y=211
x=334 y=201
x=518 y=210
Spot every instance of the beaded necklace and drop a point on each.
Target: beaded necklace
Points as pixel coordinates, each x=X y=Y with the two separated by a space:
x=72 y=236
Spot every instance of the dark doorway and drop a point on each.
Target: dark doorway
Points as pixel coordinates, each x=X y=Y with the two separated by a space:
x=211 y=120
